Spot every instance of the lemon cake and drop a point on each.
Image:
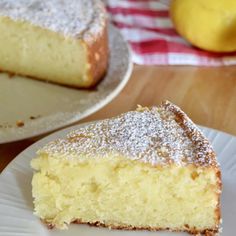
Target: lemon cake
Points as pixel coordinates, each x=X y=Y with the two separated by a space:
x=64 y=42
x=148 y=169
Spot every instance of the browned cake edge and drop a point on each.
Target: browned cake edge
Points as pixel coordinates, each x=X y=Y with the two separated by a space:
x=194 y=134
x=206 y=232
x=98 y=57
x=202 y=142
x=193 y=231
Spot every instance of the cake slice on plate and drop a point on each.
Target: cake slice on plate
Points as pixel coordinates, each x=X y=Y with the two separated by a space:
x=151 y=168
x=63 y=42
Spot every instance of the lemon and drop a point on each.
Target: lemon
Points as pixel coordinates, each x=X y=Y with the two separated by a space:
x=207 y=24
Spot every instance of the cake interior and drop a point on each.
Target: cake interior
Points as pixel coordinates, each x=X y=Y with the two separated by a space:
x=40 y=53
x=121 y=192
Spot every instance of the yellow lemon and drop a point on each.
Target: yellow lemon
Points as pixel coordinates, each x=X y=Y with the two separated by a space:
x=207 y=24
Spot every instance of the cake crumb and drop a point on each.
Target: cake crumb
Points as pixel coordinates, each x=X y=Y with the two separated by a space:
x=34 y=117
x=11 y=75
x=20 y=123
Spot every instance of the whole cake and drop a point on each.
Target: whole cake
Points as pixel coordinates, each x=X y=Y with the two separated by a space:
x=65 y=42
x=147 y=169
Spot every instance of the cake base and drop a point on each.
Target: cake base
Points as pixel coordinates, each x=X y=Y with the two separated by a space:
x=205 y=232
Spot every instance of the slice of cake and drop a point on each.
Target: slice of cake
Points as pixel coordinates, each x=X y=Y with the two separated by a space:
x=59 y=41
x=146 y=169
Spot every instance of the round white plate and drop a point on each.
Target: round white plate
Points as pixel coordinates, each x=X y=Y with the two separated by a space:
x=54 y=106
x=16 y=208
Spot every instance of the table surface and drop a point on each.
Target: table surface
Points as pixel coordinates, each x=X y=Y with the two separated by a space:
x=206 y=94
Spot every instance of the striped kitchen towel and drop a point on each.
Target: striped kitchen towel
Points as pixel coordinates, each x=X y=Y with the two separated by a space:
x=146 y=25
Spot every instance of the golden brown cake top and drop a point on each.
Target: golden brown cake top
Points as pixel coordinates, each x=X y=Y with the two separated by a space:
x=71 y=18
x=158 y=135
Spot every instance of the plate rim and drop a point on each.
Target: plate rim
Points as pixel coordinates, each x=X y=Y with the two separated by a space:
x=91 y=110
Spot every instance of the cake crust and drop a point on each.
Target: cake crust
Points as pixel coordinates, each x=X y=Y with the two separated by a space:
x=205 y=232
x=77 y=19
x=98 y=57
x=159 y=146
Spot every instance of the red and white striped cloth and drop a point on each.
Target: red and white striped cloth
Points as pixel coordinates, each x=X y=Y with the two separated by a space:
x=146 y=25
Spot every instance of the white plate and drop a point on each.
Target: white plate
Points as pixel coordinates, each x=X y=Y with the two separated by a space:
x=16 y=209
x=56 y=106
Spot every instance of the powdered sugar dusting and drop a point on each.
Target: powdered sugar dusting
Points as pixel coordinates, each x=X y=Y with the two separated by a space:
x=72 y=18
x=159 y=135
